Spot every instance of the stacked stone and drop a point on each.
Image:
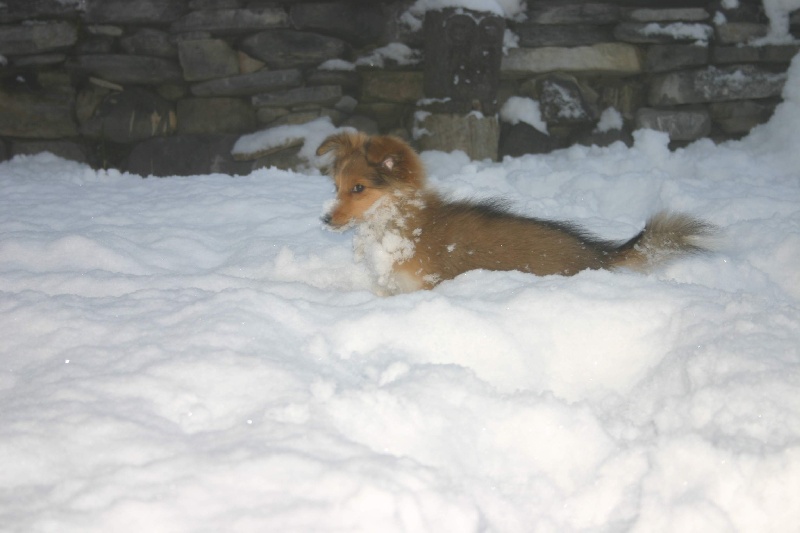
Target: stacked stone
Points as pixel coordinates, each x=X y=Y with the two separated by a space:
x=682 y=70
x=166 y=87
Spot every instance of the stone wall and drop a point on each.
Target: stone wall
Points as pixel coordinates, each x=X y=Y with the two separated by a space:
x=166 y=87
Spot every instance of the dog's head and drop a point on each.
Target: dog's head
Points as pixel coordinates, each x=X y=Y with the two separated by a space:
x=364 y=169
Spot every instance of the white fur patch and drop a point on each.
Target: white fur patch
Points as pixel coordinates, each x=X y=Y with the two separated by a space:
x=380 y=244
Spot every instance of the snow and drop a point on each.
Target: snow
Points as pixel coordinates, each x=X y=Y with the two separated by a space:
x=610 y=119
x=504 y=8
x=399 y=53
x=337 y=64
x=511 y=9
x=310 y=135
x=701 y=33
x=522 y=109
x=198 y=354
x=778 y=12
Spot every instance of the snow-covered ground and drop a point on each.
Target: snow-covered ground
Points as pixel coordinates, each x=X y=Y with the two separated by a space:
x=198 y=354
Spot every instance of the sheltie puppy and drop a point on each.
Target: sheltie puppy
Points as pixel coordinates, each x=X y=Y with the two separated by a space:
x=411 y=238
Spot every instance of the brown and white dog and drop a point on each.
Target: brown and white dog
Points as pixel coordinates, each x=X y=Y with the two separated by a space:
x=412 y=238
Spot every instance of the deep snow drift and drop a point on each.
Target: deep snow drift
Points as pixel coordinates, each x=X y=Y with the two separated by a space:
x=198 y=354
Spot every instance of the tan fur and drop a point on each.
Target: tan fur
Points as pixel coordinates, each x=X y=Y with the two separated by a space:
x=380 y=184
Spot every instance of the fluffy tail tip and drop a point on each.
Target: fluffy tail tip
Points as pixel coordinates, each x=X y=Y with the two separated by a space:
x=665 y=237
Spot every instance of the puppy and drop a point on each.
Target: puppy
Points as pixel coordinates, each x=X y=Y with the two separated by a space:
x=411 y=238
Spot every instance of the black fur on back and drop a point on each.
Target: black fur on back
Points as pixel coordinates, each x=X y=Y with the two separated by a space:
x=498 y=208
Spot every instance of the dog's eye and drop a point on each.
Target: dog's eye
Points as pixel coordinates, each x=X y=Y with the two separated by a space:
x=357 y=188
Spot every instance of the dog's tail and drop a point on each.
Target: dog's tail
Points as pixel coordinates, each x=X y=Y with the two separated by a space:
x=665 y=237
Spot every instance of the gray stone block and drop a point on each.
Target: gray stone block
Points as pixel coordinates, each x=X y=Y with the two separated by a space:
x=741 y=116
x=682 y=14
x=46 y=115
x=681 y=125
x=607 y=58
x=18 y=10
x=740 y=32
x=348 y=79
x=392 y=86
x=205 y=59
x=538 y=35
x=249 y=84
x=133 y=11
x=42 y=60
x=754 y=54
x=664 y=57
x=37 y=38
x=125 y=69
x=323 y=95
x=149 y=42
x=577 y=13
x=232 y=21
x=653 y=32
x=282 y=49
x=361 y=24
x=215 y=115
x=714 y=84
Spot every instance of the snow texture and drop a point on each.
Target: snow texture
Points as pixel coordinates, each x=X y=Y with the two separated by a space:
x=399 y=53
x=610 y=119
x=198 y=354
x=778 y=12
x=522 y=109
x=511 y=9
x=701 y=33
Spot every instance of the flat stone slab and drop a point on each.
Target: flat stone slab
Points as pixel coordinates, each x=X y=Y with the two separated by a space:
x=392 y=86
x=149 y=42
x=740 y=32
x=204 y=59
x=361 y=23
x=37 y=116
x=715 y=84
x=754 y=54
x=17 y=10
x=37 y=38
x=684 y=14
x=590 y=13
x=742 y=116
x=669 y=32
x=281 y=49
x=665 y=57
x=681 y=125
x=232 y=21
x=538 y=35
x=249 y=84
x=133 y=11
x=215 y=115
x=322 y=95
x=616 y=58
x=121 y=68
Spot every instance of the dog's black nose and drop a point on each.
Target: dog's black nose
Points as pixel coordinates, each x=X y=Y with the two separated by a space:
x=326 y=219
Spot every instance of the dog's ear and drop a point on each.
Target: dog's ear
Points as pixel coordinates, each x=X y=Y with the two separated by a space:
x=395 y=159
x=340 y=143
